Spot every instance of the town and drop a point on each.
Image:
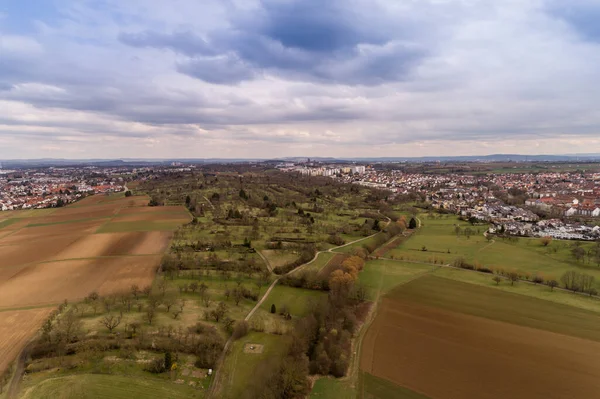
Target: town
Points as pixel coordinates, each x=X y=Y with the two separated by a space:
x=55 y=187
x=561 y=205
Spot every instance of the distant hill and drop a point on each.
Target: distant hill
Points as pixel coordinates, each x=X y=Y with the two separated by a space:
x=45 y=162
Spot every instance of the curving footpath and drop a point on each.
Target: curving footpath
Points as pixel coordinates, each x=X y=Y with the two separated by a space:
x=213 y=388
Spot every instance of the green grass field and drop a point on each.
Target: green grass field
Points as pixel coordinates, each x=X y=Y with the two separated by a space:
x=499 y=305
x=322 y=260
x=240 y=366
x=350 y=248
x=379 y=388
x=94 y=386
x=523 y=288
x=331 y=388
x=442 y=245
x=297 y=300
x=383 y=275
x=278 y=257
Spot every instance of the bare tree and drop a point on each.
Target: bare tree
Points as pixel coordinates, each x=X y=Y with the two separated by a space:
x=178 y=309
x=497 y=279
x=111 y=322
x=219 y=312
x=193 y=287
x=512 y=277
x=238 y=295
x=135 y=290
x=552 y=284
x=150 y=313
x=69 y=325
x=206 y=299
x=162 y=286
x=169 y=300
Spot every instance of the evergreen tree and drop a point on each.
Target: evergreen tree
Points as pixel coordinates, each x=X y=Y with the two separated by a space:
x=412 y=224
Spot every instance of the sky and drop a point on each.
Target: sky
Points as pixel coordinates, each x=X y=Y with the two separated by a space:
x=276 y=78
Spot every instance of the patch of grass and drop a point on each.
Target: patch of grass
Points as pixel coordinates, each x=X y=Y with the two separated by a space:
x=332 y=388
x=95 y=386
x=379 y=388
x=538 y=291
x=498 y=305
x=240 y=367
x=386 y=274
x=297 y=300
x=442 y=245
x=319 y=263
x=278 y=257
x=350 y=248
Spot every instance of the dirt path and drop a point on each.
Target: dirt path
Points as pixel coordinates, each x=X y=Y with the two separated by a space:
x=209 y=203
x=266 y=261
x=13 y=389
x=214 y=387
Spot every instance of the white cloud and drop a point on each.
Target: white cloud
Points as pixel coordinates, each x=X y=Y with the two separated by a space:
x=505 y=76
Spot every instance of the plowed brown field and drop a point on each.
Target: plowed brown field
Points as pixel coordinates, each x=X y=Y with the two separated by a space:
x=48 y=257
x=15 y=330
x=446 y=354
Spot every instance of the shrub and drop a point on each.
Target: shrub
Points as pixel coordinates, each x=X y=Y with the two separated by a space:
x=156 y=366
x=241 y=329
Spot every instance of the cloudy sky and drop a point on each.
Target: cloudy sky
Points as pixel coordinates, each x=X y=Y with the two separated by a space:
x=272 y=78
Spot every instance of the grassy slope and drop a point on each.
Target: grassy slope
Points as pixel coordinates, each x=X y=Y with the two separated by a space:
x=526 y=255
x=322 y=260
x=239 y=366
x=297 y=300
x=386 y=274
x=537 y=291
x=379 y=388
x=498 y=305
x=107 y=386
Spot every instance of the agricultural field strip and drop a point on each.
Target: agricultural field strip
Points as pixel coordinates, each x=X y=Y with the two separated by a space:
x=424 y=288
x=47 y=306
x=354 y=375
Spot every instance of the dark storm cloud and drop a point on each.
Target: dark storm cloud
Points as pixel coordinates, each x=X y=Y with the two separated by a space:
x=184 y=42
x=301 y=40
x=583 y=16
x=315 y=25
x=225 y=69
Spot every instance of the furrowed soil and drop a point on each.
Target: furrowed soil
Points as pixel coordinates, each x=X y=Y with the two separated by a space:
x=53 y=282
x=446 y=352
x=47 y=256
x=15 y=330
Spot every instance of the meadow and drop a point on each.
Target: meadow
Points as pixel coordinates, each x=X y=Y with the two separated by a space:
x=438 y=242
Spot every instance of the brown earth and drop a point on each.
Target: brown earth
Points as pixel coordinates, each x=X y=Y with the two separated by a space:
x=152 y=210
x=15 y=330
x=447 y=355
x=115 y=244
x=53 y=282
x=38 y=250
x=44 y=265
x=35 y=233
x=137 y=217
